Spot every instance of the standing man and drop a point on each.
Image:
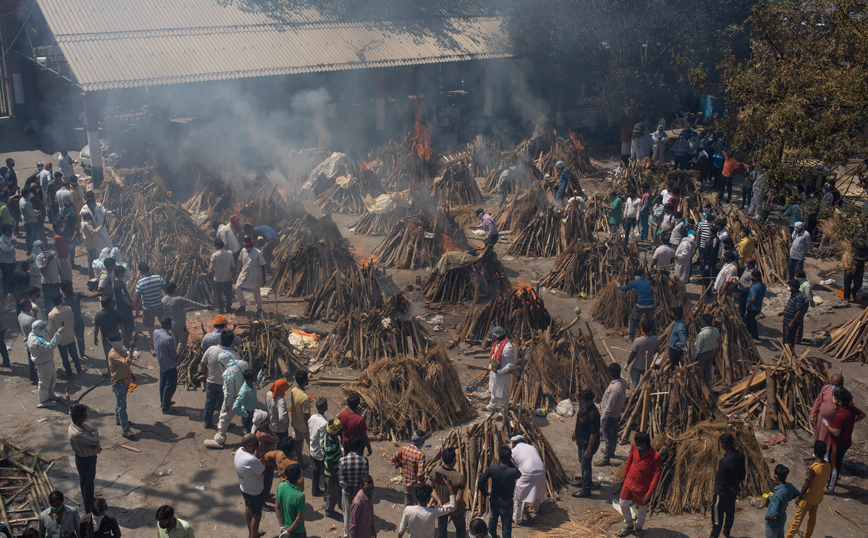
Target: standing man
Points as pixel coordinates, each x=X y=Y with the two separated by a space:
x=30 y=217
x=825 y=408
x=353 y=423
x=411 y=461
x=124 y=303
x=501 y=362
x=704 y=350
x=41 y=351
x=794 y=315
x=853 y=276
x=663 y=256
x=250 y=471
x=726 y=275
x=299 y=413
x=841 y=433
x=611 y=407
x=331 y=452
x=90 y=234
x=776 y=516
x=503 y=477
x=362 y=512
x=563 y=181
x=65 y=163
x=684 y=258
x=503 y=185
x=228 y=237
x=616 y=214
x=678 y=337
x=353 y=470
x=754 y=304
x=175 y=308
x=799 y=249
x=120 y=367
x=167 y=357
x=85 y=444
x=62 y=316
x=170 y=526
x=644 y=301
x=214 y=362
x=645 y=211
x=811 y=494
x=25 y=325
x=251 y=276
x=642 y=352
x=531 y=486
x=660 y=138
x=745 y=283
x=96 y=524
x=7 y=257
x=233 y=381
x=437 y=480
x=72 y=299
x=291 y=504
x=491 y=233
x=149 y=294
x=58 y=519
x=49 y=269
x=418 y=521
x=99 y=214
x=641 y=477
x=316 y=426
x=214 y=338
x=108 y=323
x=222 y=266
x=731 y=473
x=587 y=437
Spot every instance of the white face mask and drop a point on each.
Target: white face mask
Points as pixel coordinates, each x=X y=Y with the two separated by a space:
x=97 y=521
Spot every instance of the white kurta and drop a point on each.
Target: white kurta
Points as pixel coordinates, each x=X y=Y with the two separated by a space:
x=531 y=487
x=683 y=257
x=99 y=213
x=499 y=381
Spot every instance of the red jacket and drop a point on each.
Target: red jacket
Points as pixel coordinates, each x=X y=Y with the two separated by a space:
x=641 y=475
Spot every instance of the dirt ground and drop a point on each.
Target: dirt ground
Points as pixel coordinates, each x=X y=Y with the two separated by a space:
x=173 y=467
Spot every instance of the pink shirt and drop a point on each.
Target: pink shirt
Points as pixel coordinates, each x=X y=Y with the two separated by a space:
x=824 y=407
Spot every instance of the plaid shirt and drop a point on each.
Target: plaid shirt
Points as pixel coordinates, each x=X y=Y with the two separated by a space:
x=213 y=339
x=353 y=469
x=411 y=460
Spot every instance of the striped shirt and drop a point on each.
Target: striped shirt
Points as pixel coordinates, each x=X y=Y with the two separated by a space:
x=795 y=304
x=150 y=289
x=703 y=230
x=84 y=440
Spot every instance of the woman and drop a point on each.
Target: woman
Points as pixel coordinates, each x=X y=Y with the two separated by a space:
x=278 y=411
x=267 y=442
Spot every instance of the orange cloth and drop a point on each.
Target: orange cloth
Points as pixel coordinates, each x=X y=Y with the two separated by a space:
x=310 y=335
x=641 y=475
x=279 y=388
x=729 y=166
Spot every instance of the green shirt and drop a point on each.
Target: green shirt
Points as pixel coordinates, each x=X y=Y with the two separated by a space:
x=290 y=500
x=615 y=214
x=182 y=530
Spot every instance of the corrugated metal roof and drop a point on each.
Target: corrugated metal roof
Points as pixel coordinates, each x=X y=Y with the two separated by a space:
x=130 y=43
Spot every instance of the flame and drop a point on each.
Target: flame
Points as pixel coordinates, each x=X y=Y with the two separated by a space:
x=421 y=139
x=238 y=207
x=578 y=147
x=282 y=193
x=369 y=261
x=448 y=244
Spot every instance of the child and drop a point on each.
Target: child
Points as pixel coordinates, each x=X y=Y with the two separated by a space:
x=812 y=492
x=316 y=426
x=478 y=528
x=776 y=517
x=246 y=402
x=331 y=458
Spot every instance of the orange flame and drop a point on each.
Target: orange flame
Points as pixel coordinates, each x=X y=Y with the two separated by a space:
x=421 y=139
x=448 y=244
x=578 y=147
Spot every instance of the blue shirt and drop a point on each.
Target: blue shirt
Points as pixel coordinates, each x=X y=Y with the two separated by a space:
x=784 y=493
x=678 y=338
x=795 y=304
x=150 y=289
x=758 y=290
x=164 y=349
x=642 y=286
x=795 y=213
x=246 y=402
x=267 y=232
x=717 y=160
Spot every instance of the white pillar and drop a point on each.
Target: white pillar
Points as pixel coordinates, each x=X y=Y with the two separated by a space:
x=91 y=118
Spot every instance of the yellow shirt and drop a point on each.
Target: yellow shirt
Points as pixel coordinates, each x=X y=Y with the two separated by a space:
x=300 y=407
x=745 y=249
x=818 y=474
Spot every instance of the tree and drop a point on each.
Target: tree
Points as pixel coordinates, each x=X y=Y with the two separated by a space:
x=802 y=96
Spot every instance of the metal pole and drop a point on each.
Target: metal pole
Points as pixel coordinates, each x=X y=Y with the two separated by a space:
x=91 y=118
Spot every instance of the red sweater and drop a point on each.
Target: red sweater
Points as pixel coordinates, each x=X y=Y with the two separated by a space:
x=641 y=475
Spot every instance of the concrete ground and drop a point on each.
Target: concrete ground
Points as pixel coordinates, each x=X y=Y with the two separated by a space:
x=170 y=465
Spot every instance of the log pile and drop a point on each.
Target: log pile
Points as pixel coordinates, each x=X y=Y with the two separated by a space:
x=360 y=339
x=189 y=375
x=348 y=194
x=265 y=345
x=352 y=288
x=306 y=270
x=476 y=449
x=587 y=267
x=773 y=252
x=271 y=210
x=456 y=186
x=849 y=341
x=613 y=306
x=25 y=486
x=403 y=394
x=518 y=180
x=484 y=278
x=520 y=313
x=306 y=231
x=518 y=213
x=779 y=396
x=550 y=233
x=418 y=241
x=211 y=196
x=668 y=400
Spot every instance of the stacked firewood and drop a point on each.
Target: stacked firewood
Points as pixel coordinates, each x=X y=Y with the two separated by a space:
x=345 y=290
x=550 y=233
x=614 y=307
x=304 y=232
x=361 y=338
x=189 y=375
x=25 y=486
x=520 y=313
x=456 y=186
x=668 y=400
x=794 y=382
x=587 y=267
x=849 y=341
x=211 y=196
x=476 y=448
x=306 y=270
x=486 y=277
x=347 y=195
x=403 y=394
x=265 y=346
x=521 y=210
x=271 y=210
x=418 y=241
x=773 y=252
x=517 y=181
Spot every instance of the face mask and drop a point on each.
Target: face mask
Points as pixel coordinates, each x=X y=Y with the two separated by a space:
x=166 y=526
x=56 y=509
x=368 y=492
x=97 y=521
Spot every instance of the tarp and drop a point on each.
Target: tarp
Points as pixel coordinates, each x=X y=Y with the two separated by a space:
x=328 y=169
x=455 y=260
x=386 y=203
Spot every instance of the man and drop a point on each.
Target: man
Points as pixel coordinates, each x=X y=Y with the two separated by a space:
x=745 y=247
x=72 y=299
x=704 y=350
x=170 y=526
x=411 y=461
x=214 y=362
x=362 y=512
x=563 y=181
x=85 y=445
x=233 y=381
x=106 y=283
x=641 y=477
x=503 y=476
x=228 y=237
x=684 y=258
x=277 y=408
x=108 y=323
x=501 y=362
x=250 y=471
x=754 y=304
x=51 y=196
x=586 y=434
x=62 y=316
x=214 y=338
x=503 y=185
x=353 y=469
x=44 y=176
x=776 y=516
x=531 y=486
x=167 y=358
x=663 y=256
x=99 y=214
x=149 y=294
x=30 y=217
x=681 y=149
x=729 y=167
x=291 y=504
x=731 y=472
x=794 y=315
x=7 y=257
x=62 y=246
x=90 y=235
x=642 y=353
x=799 y=249
x=437 y=480
x=678 y=230
x=11 y=176
x=491 y=233
x=418 y=521
x=25 y=325
x=49 y=269
x=805 y=287
x=317 y=425
x=853 y=274
x=710 y=255
x=726 y=275
x=41 y=351
x=645 y=211
x=659 y=139
x=811 y=494
x=120 y=367
x=825 y=408
x=841 y=433
x=299 y=413
x=703 y=229
x=644 y=301
x=678 y=337
x=615 y=208
x=353 y=423
x=58 y=519
x=611 y=407
x=251 y=276
x=175 y=308
x=65 y=163
x=96 y=524
x=745 y=283
x=331 y=452
x=222 y=266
